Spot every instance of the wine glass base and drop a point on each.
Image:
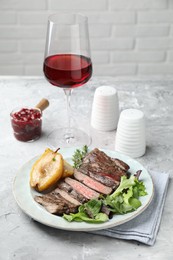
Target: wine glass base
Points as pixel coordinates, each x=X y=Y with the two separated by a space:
x=62 y=137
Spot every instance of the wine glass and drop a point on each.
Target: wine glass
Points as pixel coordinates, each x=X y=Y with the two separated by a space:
x=67 y=65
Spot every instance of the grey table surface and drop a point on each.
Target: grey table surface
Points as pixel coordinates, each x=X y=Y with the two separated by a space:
x=23 y=238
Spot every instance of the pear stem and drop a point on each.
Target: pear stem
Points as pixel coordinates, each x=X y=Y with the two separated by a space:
x=57 y=150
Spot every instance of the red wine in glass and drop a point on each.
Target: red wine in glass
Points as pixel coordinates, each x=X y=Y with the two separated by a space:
x=67 y=70
x=67 y=65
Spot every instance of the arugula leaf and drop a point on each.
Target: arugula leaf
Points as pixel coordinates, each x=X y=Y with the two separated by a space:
x=78 y=156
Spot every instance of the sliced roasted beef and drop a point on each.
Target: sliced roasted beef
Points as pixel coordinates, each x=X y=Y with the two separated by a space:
x=100 y=163
x=66 y=196
x=56 y=204
x=122 y=165
x=97 y=156
x=101 y=175
x=64 y=186
x=106 y=180
x=91 y=183
x=82 y=189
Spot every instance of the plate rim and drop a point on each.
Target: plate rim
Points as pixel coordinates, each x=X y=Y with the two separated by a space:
x=86 y=226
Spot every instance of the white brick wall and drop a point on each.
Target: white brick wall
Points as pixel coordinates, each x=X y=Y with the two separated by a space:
x=128 y=37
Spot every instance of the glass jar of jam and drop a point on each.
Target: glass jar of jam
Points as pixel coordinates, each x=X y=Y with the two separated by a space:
x=26 y=123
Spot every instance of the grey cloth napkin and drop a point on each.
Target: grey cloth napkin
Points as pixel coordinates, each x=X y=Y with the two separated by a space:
x=144 y=228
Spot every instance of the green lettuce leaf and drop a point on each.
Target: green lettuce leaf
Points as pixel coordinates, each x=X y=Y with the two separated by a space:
x=126 y=197
x=124 y=184
x=88 y=212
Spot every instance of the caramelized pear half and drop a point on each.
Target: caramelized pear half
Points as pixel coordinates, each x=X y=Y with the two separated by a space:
x=68 y=170
x=47 y=170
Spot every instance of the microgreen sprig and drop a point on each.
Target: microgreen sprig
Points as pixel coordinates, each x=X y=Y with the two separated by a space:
x=78 y=156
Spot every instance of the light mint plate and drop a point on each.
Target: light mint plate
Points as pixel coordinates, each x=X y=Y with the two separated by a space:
x=24 y=196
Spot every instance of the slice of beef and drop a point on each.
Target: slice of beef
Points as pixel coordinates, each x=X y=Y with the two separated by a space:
x=56 y=204
x=106 y=180
x=66 y=196
x=64 y=186
x=122 y=165
x=91 y=183
x=100 y=163
x=82 y=189
x=101 y=175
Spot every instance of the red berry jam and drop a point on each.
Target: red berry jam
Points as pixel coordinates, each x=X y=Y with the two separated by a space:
x=26 y=123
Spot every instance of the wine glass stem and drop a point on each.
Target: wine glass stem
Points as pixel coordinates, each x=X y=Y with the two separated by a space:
x=68 y=135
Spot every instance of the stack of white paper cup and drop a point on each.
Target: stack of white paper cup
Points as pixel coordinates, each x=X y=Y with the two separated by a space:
x=105 y=109
x=130 y=136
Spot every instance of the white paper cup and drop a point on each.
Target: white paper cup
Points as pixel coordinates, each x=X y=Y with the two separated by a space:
x=130 y=136
x=105 y=109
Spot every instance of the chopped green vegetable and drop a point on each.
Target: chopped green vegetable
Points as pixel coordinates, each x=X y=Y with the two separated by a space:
x=78 y=156
x=54 y=159
x=88 y=212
